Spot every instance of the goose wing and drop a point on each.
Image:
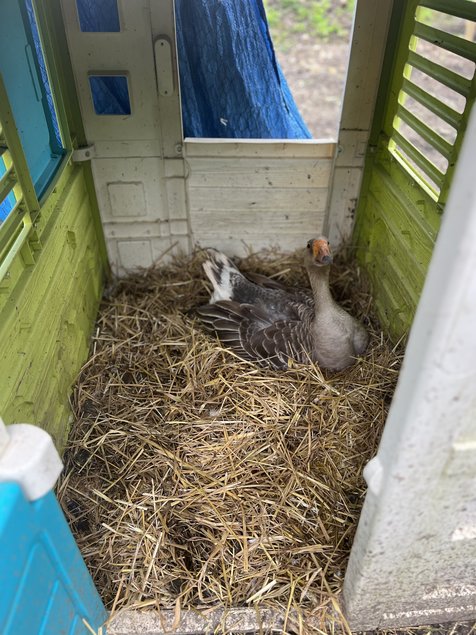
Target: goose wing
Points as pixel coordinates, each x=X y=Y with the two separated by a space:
x=300 y=295
x=234 y=324
x=264 y=281
x=282 y=341
x=249 y=331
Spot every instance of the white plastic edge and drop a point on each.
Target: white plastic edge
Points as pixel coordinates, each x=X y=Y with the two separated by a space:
x=28 y=457
x=373 y=475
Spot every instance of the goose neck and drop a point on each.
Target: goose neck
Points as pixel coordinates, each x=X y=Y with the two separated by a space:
x=319 y=279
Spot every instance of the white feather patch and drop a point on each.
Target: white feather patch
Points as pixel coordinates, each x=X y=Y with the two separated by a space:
x=221 y=280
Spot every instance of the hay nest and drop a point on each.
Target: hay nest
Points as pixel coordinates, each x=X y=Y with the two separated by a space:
x=195 y=479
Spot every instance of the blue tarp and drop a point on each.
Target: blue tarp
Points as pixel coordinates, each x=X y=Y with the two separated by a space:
x=232 y=85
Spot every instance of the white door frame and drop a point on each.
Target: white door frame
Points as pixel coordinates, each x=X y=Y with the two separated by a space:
x=368 y=45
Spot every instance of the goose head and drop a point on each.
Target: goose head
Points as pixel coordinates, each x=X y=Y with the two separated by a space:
x=318 y=253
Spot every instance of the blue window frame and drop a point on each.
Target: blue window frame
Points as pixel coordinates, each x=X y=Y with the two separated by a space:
x=24 y=73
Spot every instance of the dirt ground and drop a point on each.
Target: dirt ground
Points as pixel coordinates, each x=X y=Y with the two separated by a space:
x=312 y=44
x=315 y=71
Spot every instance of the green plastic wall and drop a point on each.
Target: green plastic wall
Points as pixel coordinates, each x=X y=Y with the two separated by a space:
x=47 y=310
x=50 y=297
x=395 y=233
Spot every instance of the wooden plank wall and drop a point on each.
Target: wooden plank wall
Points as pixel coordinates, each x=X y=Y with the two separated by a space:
x=47 y=311
x=249 y=195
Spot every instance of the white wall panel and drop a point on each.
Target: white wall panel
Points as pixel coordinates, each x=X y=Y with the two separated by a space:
x=251 y=195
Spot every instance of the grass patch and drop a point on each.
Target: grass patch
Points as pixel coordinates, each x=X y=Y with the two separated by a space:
x=317 y=18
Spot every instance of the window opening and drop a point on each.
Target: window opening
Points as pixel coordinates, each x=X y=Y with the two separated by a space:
x=97 y=17
x=312 y=41
x=110 y=94
x=437 y=93
x=306 y=45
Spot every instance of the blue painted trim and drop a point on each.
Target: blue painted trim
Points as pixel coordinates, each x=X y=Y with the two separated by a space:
x=24 y=74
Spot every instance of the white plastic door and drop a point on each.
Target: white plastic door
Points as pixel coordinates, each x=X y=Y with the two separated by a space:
x=136 y=150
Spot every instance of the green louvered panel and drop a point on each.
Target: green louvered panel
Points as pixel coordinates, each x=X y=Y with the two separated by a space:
x=425 y=97
x=437 y=107
x=446 y=41
x=463 y=9
x=420 y=148
x=7 y=181
x=16 y=180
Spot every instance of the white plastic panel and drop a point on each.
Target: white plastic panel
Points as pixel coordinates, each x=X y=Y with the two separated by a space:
x=135 y=200
x=134 y=183
x=413 y=559
x=134 y=253
x=240 y=194
x=137 y=195
x=127 y=199
x=128 y=52
x=257 y=194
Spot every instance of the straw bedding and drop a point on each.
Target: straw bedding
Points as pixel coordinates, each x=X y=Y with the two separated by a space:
x=196 y=479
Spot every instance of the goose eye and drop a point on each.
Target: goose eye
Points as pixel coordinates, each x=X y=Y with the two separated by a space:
x=309 y=244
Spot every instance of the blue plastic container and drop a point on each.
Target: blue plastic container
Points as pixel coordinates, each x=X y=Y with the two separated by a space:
x=45 y=587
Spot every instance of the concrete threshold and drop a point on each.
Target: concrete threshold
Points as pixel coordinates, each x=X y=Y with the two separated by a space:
x=191 y=622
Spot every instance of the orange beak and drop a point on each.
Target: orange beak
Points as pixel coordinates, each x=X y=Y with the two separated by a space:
x=321 y=251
